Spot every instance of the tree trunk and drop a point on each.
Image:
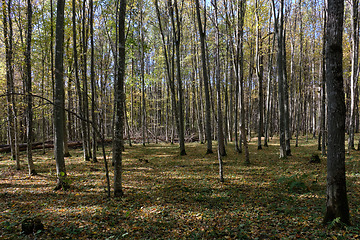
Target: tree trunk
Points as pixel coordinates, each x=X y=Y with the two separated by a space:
x=259 y=74
x=119 y=103
x=11 y=103
x=279 y=23
x=59 y=118
x=28 y=90
x=202 y=34
x=220 y=131
x=286 y=100
x=336 y=202
x=268 y=87
x=354 y=70
x=77 y=82
x=177 y=39
x=142 y=75
x=92 y=83
x=85 y=100
x=241 y=83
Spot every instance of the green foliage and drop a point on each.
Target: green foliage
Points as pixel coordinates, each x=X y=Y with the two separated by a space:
x=335 y=223
x=294 y=183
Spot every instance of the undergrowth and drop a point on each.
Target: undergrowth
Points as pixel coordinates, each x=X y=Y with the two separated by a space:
x=168 y=196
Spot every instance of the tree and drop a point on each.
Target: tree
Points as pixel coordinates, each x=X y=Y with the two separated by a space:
x=142 y=73
x=241 y=80
x=323 y=88
x=269 y=83
x=259 y=73
x=92 y=81
x=28 y=90
x=220 y=133
x=176 y=24
x=78 y=85
x=170 y=69
x=202 y=33
x=354 y=70
x=11 y=103
x=119 y=103
x=336 y=201
x=279 y=31
x=85 y=100
x=59 y=95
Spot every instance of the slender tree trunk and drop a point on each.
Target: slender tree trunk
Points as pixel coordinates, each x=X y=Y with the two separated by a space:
x=85 y=100
x=52 y=48
x=220 y=131
x=59 y=95
x=11 y=103
x=92 y=83
x=169 y=71
x=286 y=100
x=354 y=70
x=77 y=82
x=119 y=103
x=336 y=202
x=177 y=38
x=323 y=89
x=259 y=74
x=142 y=74
x=28 y=90
x=197 y=99
x=279 y=23
x=241 y=83
x=202 y=34
x=268 y=87
x=299 y=97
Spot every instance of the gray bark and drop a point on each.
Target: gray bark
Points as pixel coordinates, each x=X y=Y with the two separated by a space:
x=259 y=75
x=354 y=70
x=28 y=91
x=336 y=202
x=11 y=103
x=205 y=78
x=59 y=113
x=92 y=83
x=279 y=27
x=119 y=103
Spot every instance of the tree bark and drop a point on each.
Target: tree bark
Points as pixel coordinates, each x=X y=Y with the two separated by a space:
x=268 y=87
x=286 y=100
x=259 y=74
x=119 y=103
x=11 y=103
x=142 y=74
x=279 y=24
x=92 y=82
x=28 y=90
x=354 y=70
x=241 y=82
x=85 y=100
x=202 y=34
x=336 y=202
x=177 y=39
x=59 y=112
x=220 y=131
x=77 y=82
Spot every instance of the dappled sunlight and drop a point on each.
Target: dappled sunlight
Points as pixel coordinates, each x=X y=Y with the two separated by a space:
x=172 y=196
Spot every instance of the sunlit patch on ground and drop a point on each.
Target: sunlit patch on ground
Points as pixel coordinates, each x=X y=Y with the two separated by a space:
x=168 y=196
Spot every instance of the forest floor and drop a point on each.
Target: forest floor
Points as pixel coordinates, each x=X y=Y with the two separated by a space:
x=179 y=197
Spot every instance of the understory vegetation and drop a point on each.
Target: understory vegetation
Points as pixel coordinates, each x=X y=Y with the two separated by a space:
x=168 y=196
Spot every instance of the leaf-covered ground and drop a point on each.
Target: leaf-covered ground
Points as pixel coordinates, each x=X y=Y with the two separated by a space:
x=179 y=197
